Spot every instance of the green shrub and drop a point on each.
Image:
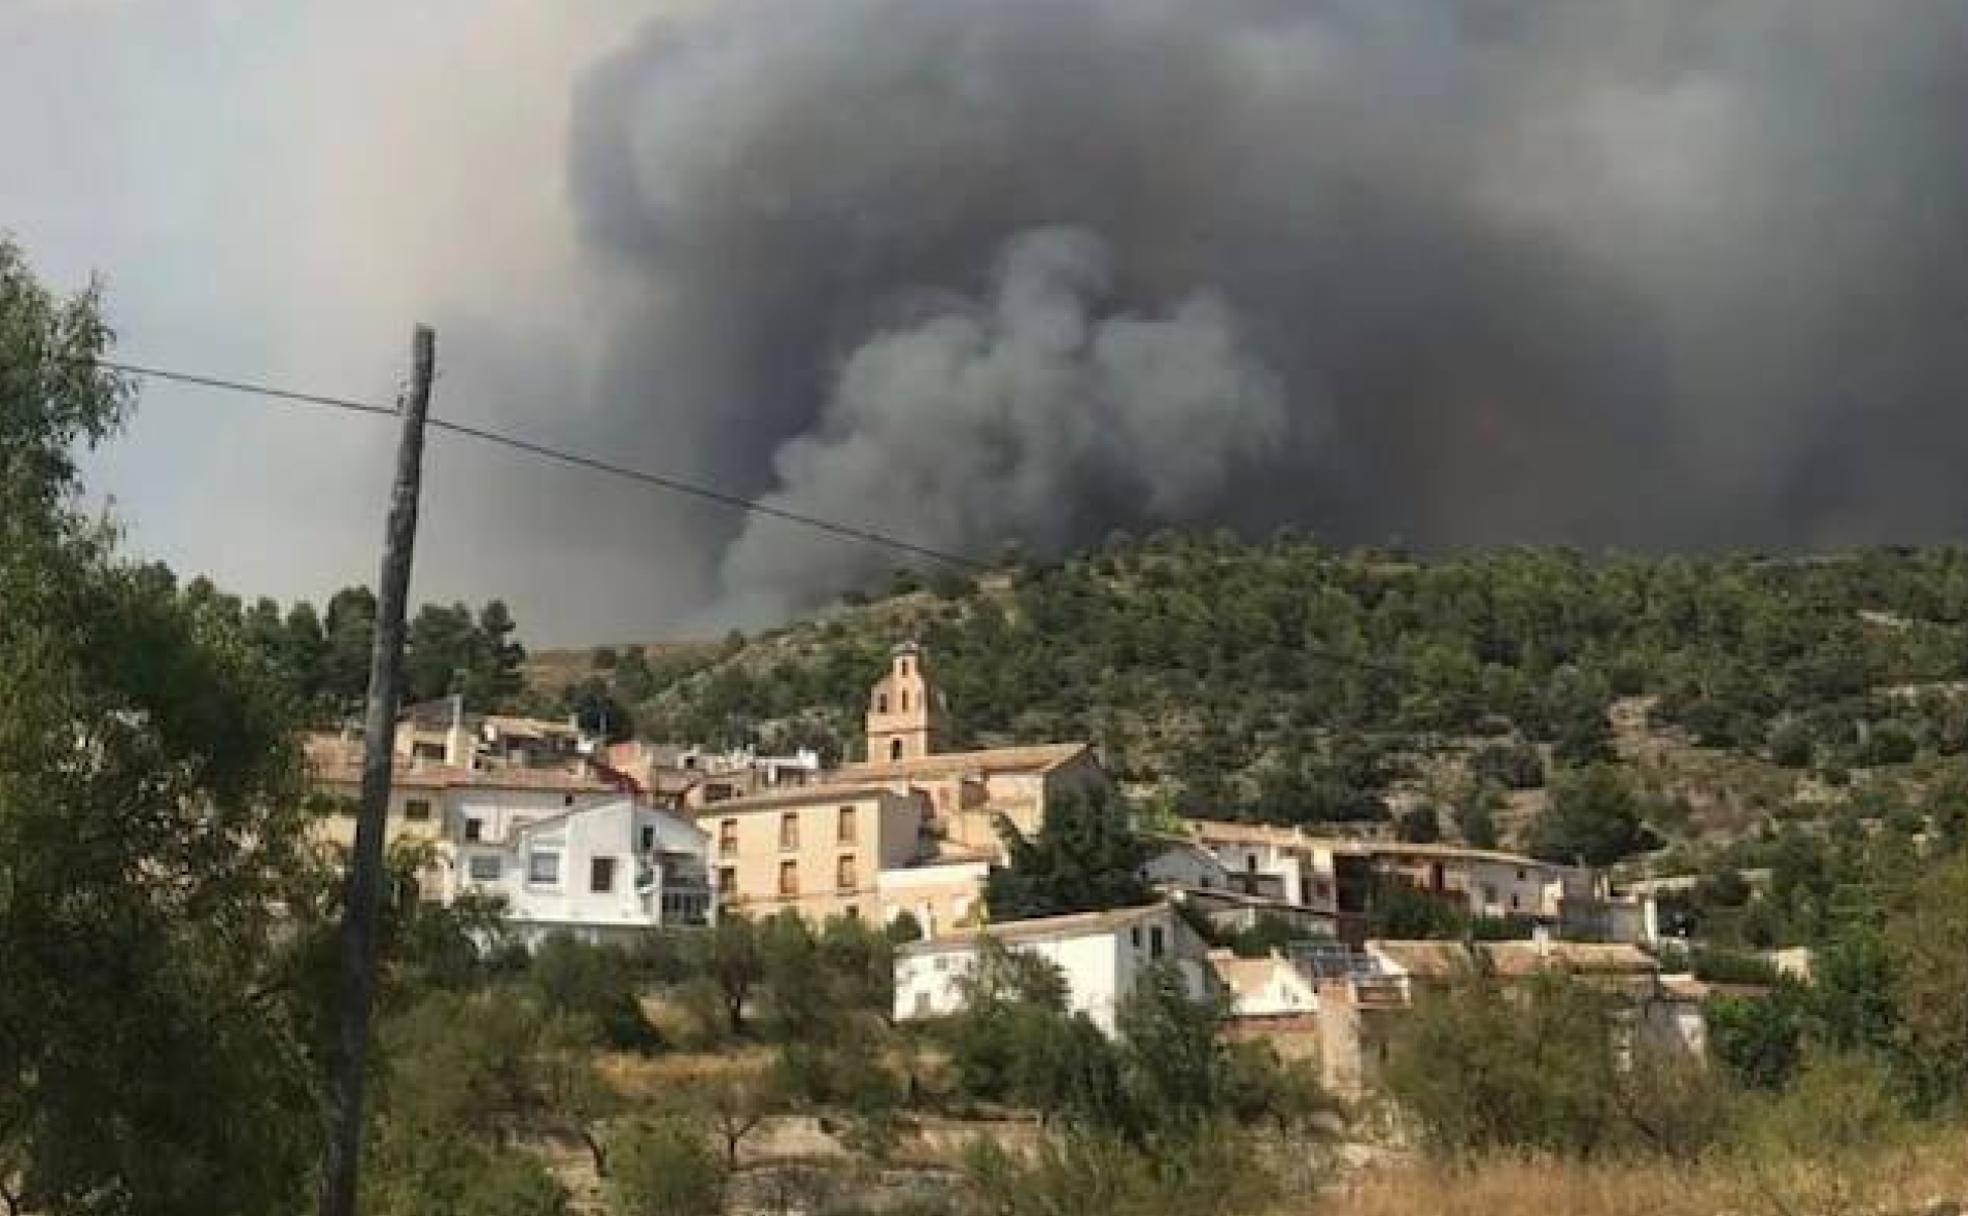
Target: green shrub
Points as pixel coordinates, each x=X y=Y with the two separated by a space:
x=595 y=982
x=1478 y=1068
x=667 y=1169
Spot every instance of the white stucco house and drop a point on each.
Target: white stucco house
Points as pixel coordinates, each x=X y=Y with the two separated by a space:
x=1100 y=954
x=603 y=872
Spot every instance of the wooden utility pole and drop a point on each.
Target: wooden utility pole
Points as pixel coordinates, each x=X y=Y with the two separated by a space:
x=362 y=909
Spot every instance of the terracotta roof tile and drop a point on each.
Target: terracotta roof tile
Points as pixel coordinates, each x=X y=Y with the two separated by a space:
x=800 y=795
x=1042 y=757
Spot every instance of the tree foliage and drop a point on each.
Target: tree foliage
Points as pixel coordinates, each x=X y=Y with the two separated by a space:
x=148 y=817
x=1248 y=679
x=1594 y=819
x=1086 y=856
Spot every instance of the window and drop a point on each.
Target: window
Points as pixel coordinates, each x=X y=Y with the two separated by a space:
x=845 y=835
x=789 y=878
x=567 y=800
x=1134 y=937
x=484 y=867
x=844 y=878
x=417 y=810
x=474 y=828
x=728 y=838
x=1520 y=876
x=601 y=874
x=648 y=838
x=923 y=1006
x=895 y=749
x=1489 y=893
x=727 y=879
x=789 y=831
x=1515 y=903
x=1157 y=942
x=905 y=700
x=881 y=703
x=543 y=867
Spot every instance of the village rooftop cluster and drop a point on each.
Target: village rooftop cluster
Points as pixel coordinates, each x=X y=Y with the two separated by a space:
x=605 y=842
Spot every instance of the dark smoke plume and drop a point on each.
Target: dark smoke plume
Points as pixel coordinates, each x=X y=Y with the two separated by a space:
x=1631 y=272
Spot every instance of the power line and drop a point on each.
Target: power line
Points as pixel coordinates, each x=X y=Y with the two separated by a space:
x=661 y=481
x=736 y=501
x=241 y=386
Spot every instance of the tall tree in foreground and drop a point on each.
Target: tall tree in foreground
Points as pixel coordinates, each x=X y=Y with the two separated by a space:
x=147 y=822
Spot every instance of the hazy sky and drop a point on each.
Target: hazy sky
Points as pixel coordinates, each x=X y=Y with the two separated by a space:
x=278 y=191
x=1641 y=273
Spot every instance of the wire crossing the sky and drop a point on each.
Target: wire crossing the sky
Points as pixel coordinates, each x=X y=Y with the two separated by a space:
x=661 y=481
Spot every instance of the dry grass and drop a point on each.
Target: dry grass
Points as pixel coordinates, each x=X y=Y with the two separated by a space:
x=641 y=1079
x=1900 y=1180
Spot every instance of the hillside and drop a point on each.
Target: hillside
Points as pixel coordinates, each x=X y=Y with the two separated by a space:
x=1290 y=682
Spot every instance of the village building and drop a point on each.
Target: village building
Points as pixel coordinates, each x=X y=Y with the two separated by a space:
x=440 y=804
x=1262 y=989
x=1198 y=880
x=913 y=830
x=940 y=894
x=1342 y=877
x=1364 y=994
x=968 y=792
x=602 y=873
x=442 y=733
x=1100 y=955
x=693 y=777
x=815 y=850
x=642 y=866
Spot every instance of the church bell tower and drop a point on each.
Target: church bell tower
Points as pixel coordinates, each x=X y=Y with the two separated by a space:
x=905 y=710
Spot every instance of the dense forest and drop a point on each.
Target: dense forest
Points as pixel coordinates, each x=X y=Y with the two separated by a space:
x=1248 y=673
x=1820 y=700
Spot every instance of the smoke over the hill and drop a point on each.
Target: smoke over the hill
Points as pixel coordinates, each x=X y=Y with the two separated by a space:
x=1634 y=272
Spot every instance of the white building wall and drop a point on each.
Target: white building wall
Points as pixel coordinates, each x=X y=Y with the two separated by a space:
x=502 y=812
x=1100 y=968
x=1284 y=992
x=541 y=898
x=1502 y=889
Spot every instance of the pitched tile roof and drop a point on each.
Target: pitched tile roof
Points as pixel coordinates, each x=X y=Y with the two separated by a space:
x=1037 y=758
x=1078 y=924
x=799 y=795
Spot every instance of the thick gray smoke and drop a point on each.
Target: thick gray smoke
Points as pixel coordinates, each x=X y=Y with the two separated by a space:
x=1028 y=416
x=1639 y=272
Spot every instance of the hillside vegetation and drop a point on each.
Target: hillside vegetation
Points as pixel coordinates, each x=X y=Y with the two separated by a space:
x=1288 y=681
